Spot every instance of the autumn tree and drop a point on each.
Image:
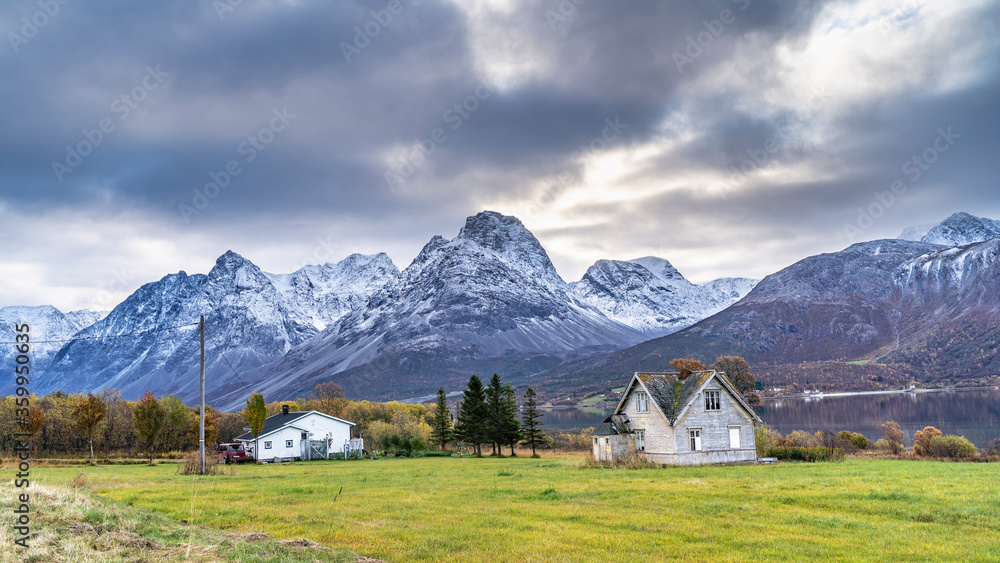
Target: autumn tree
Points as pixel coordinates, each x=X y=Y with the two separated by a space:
x=329 y=398
x=87 y=413
x=441 y=431
x=922 y=440
x=147 y=418
x=737 y=370
x=472 y=415
x=115 y=433
x=255 y=414
x=894 y=435
x=687 y=366
x=231 y=425
x=176 y=424
x=35 y=421
x=532 y=435
x=211 y=427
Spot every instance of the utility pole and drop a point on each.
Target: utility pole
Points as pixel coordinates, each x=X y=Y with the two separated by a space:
x=201 y=421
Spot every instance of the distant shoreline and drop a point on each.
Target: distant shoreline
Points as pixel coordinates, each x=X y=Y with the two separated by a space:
x=881 y=392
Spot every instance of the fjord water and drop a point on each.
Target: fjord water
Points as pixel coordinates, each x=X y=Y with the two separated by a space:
x=973 y=413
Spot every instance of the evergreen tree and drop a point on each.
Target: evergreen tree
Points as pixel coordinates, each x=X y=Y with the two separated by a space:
x=496 y=414
x=472 y=415
x=532 y=435
x=441 y=431
x=511 y=434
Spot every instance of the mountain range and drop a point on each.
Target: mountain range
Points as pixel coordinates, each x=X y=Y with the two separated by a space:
x=490 y=300
x=488 y=297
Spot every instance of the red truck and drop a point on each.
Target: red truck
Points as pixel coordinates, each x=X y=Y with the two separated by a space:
x=231 y=453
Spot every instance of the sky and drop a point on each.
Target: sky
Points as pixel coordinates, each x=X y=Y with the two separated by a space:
x=731 y=137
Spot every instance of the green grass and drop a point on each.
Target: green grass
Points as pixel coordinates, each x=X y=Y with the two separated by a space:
x=551 y=509
x=589 y=401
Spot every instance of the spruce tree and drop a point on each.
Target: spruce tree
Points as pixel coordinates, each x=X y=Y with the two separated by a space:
x=441 y=430
x=472 y=415
x=496 y=414
x=532 y=435
x=511 y=425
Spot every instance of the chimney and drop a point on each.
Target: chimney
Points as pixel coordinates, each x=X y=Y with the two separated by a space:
x=284 y=409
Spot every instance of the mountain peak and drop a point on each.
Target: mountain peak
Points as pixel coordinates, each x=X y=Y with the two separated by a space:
x=660 y=268
x=494 y=231
x=962 y=228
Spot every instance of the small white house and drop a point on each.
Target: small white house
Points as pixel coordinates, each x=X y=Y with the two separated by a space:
x=304 y=435
x=672 y=419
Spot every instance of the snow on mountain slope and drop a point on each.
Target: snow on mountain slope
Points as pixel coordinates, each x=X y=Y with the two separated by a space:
x=328 y=292
x=650 y=295
x=45 y=322
x=490 y=291
x=962 y=228
x=249 y=321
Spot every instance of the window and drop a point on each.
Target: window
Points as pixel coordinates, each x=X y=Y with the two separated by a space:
x=222 y=448
x=596 y=440
x=712 y=402
x=695 y=440
x=640 y=440
x=237 y=448
x=734 y=438
x=641 y=403
x=288 y=443
x=267 y=445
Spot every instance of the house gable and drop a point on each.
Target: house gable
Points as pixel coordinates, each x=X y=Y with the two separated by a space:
x=706 y=379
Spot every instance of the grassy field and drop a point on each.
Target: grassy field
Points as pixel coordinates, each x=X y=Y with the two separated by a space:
x=551 y=509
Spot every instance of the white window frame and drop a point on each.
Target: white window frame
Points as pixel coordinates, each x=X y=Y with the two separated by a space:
x=640 y=440
x=738 y=436
x=289 y=444
x=641 y=402
x=267 y=445
x=694 y=439
x=710 y=404
x=597 y=441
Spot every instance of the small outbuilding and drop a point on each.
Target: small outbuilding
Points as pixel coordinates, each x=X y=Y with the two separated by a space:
x=679 y=419
x=303 y=434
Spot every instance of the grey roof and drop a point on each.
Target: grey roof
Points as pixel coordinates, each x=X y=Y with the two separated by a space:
x=673 y=395
x=275 y=422
x=614 y=425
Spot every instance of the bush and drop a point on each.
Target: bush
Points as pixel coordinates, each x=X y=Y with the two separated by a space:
x=893 y=435
x=956 y=447
x=807 y=454
x=882 y=445
x=922 y=440
x=434 y=453
x=991 y=448
x=799 y=439
x=192 y=465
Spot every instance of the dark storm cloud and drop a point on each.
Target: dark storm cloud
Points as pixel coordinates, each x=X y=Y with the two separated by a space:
x=558 y=73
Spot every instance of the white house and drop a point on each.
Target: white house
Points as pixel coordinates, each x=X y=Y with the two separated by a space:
x=672 y=419
x=305 y=435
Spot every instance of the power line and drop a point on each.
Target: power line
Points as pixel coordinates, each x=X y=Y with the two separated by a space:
x=217 y=349
x=101 y=337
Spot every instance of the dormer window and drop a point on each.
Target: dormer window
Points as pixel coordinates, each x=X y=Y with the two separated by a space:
x=641 y=402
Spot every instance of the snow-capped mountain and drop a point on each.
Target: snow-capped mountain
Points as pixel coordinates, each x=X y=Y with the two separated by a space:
x=957 y=230
x=45 y=323
x=251 y=317
x=650 y=295
x=328 y=292
x=489 y=294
